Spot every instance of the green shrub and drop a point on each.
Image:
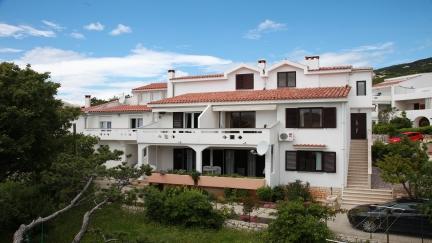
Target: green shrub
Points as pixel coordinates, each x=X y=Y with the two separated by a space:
x=154 y=203
x=383 y=128
x=233 y=194
x=401 y=121
x=424 y=130
x=298 y=190
x=279 y=193
x=379 y=149
x=185 y=207
x=20 y=203
x=298 y=222
x=264 y=193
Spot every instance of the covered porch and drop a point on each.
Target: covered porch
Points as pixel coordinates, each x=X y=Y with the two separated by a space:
x=215 y=161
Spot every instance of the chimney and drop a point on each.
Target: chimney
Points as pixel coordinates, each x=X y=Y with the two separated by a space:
x=312 y=62
x=262 y=66
x=87 y=101
x=171 y=74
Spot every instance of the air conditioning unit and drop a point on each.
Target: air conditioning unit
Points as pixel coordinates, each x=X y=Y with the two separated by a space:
x=286 y=136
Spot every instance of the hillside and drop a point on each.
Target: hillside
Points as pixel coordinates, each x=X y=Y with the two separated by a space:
x=419 y=66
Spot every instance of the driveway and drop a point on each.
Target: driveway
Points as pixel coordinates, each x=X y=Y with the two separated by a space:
x=341 y=226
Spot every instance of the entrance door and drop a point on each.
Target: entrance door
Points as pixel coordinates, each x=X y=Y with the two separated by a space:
x=358 y=125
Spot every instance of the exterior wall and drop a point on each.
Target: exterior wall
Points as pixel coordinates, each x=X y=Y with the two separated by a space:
x=228 y=84
x=144 y=97
x=333 y=138
x=267 y=118
x=360 y=101
x=118 y=120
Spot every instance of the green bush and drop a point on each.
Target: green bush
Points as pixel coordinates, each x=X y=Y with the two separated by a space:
x=401 y=121
x=279 y=193
x=298 y=190
x=379 y=149
x=185 y=207
x=383 y=128
x=298 y=222
x=233 y=194
x=424 y=130
x=265 y=193
x=20 y=203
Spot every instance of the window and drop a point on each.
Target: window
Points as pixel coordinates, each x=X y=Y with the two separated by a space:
x=242 y=119
x=178 y=120
x=245 y=81
x=185 y=120
x=313 y=161
x=105 y=124
x=361 y=88
x=136 y=122
x=286 y=79
x=310 y=117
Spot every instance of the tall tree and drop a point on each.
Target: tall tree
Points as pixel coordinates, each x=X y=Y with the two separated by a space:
x=32 y=120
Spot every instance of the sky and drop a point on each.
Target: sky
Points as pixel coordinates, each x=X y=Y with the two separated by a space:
x=105 y=48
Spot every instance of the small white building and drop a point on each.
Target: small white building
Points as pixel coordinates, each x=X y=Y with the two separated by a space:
x=281 y=123
x=411 y=93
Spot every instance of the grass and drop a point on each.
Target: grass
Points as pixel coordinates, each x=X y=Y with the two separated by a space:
x=112 y=219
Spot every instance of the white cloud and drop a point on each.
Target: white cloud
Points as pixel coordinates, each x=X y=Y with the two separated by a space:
x=77 y=35
x=21 y=31
x=81 y=74
x=53 y=25
x=121 y=29
x=96 y=26
x=367 y=55
x=10 y=50
x=264 y=27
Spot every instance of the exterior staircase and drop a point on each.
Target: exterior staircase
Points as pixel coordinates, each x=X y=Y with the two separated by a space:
x=358 y=189
x=358 y=164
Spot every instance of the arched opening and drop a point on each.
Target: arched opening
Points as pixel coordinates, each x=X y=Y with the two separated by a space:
x=423 y=122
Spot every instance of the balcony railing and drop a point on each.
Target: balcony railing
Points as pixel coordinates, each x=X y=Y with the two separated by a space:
x=112 y=133
x=207 y=136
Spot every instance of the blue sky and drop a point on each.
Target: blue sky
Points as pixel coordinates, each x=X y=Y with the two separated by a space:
x=108 y=47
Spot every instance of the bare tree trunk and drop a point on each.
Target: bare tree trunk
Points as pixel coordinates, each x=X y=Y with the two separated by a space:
x=86 y=221
x=20 y=233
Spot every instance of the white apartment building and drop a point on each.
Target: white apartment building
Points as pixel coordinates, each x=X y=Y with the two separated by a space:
x=274 y=124
x=411 y=93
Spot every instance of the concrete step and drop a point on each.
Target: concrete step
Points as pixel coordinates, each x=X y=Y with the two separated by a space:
x=351 y=189
x=355 y=184
x=357 y=176
x=349 y=201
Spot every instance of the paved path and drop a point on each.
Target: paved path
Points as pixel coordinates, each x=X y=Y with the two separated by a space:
x=341 y=226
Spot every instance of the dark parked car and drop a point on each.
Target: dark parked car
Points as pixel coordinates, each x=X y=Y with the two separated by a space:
x=401 y=216
x=413 y=136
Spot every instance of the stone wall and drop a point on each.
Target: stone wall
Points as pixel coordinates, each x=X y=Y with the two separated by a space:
x=320 y=193
x=242 y=225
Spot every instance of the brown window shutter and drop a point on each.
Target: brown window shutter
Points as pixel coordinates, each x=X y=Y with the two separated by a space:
x=329 y=159
x=178 y=120
x=290 y=160
x=329 y=117
x=291 y=117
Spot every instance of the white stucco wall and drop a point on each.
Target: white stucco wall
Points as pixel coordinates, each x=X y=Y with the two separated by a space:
x=333 y=138
x=118 y=120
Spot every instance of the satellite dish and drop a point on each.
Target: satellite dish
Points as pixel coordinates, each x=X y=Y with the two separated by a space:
x=262 y=148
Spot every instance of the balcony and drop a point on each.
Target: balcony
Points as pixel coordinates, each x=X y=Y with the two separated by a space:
x=205 y=136
x=386 y=99
x=414 y=114
x=113 y=134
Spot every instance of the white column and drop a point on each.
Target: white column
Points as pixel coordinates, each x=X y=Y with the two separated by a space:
x=268 y=166
x=198 y=156
x=141 y=159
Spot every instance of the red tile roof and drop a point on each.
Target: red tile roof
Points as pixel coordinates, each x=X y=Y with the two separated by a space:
x=118 y=108
x=257 y=95
x=216 y=75
x=331 y=68
x=387 y=83
x=162 y=85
